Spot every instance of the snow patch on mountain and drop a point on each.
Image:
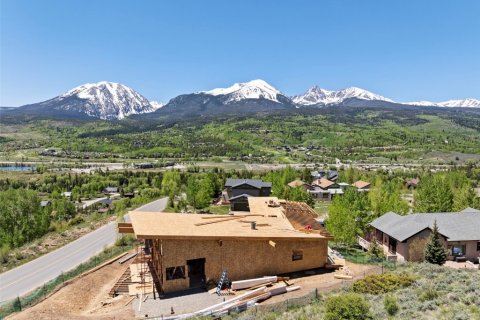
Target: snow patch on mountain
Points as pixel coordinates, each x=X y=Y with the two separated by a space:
x=156 y=105
x=254 y=89
x=461 y=103
x=317 y=95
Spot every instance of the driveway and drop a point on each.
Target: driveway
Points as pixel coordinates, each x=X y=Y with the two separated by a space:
x=35 y=273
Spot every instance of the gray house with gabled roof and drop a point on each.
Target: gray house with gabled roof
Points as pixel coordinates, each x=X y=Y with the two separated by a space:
x=239 y=190
x=404 y=237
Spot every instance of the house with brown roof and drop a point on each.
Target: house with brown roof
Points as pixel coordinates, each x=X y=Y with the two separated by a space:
x=298 y=183
x=192 y=250
x=324 y=190
x=362 y=186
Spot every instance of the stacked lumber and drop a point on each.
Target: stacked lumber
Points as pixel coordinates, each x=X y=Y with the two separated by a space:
x=246 y=299
x=251 y=283
x=347 y=274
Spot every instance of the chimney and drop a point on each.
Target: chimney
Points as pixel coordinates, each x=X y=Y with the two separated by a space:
x=253 y=225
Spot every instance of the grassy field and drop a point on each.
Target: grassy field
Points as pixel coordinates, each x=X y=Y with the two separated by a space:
x=374 y=135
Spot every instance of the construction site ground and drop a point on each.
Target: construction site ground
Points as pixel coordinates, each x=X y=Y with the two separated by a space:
x=83 y=298
x=87 y=297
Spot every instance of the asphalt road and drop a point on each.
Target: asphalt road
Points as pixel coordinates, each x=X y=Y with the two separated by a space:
x=35 y=273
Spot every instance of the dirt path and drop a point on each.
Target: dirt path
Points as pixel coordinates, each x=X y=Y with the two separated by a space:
x=82 y=299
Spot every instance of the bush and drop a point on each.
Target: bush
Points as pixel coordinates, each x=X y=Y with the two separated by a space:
x=428 y=294
x=18 y=255
x=390 y=304
x=382 y=283
x=347 y=306
x=124 y=240
x=75 y=221
x=4 y=253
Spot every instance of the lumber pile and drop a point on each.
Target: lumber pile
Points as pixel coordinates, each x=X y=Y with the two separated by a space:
x=347 y=274
x=250 y=283
x=246 y=299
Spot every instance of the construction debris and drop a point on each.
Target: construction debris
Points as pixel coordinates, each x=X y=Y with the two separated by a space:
x=246 y=299
x=249 y=283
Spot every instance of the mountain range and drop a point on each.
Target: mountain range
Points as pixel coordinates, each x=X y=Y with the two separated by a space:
x=114 y=101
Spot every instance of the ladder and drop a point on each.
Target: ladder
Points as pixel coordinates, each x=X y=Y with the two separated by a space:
x=222 y=281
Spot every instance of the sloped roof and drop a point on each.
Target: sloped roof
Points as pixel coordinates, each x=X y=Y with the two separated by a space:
x=456 y=226
x=296 y=183
x=323 y=183
x=256 y=183
x=361 y=184
x=243 y=195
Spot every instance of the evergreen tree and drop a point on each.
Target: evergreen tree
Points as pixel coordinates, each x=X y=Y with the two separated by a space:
x=434 y=251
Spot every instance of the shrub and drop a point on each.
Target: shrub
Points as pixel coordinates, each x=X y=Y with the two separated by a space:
x=390 y=304
x=428 y=294
x=124 y=240
x=75 y=221
x=347 y=306
x=382 y=283
x=4 y=253
x=375 y=250
x=18 y=255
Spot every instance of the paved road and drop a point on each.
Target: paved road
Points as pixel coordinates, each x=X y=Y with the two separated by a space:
x=35 y=273
x=154 y=206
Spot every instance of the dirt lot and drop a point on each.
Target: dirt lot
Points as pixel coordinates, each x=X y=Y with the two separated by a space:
x=82 y=299
x=323 y=280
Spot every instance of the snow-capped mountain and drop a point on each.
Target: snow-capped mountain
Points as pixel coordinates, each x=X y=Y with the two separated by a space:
x=462 y=103
x=316 y=95
x=255 y=89
x=103 y=100
x=241 y=98
x=156 y=105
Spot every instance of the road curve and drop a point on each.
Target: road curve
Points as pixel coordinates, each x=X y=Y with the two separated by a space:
x=35 y=273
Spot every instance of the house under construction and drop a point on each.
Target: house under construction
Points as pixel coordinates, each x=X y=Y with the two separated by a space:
x=192 y=250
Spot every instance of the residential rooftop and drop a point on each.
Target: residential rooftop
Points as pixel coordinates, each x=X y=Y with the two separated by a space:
x=456 y=226
x=257 y=183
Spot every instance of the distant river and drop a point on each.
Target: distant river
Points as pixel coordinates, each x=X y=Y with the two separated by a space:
x=16 y=168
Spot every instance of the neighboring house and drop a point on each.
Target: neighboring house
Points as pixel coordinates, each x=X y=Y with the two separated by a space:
x=187 y=252
x=324 y=190
x=412 y=183
x=331 y=175
x=105 y=205
x=362 y=186
x=299 y=183
x=404 y=237
x=110 y=190
x=238 y=190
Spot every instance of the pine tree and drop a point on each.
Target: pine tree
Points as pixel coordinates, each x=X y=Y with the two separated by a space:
x=434 y=251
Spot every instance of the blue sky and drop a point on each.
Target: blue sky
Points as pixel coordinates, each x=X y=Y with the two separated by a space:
x=404 y=50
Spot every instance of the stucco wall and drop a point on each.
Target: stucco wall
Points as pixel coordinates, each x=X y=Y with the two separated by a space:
x=241 y=259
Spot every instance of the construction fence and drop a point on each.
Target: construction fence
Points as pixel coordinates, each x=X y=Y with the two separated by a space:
x=41 y=293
